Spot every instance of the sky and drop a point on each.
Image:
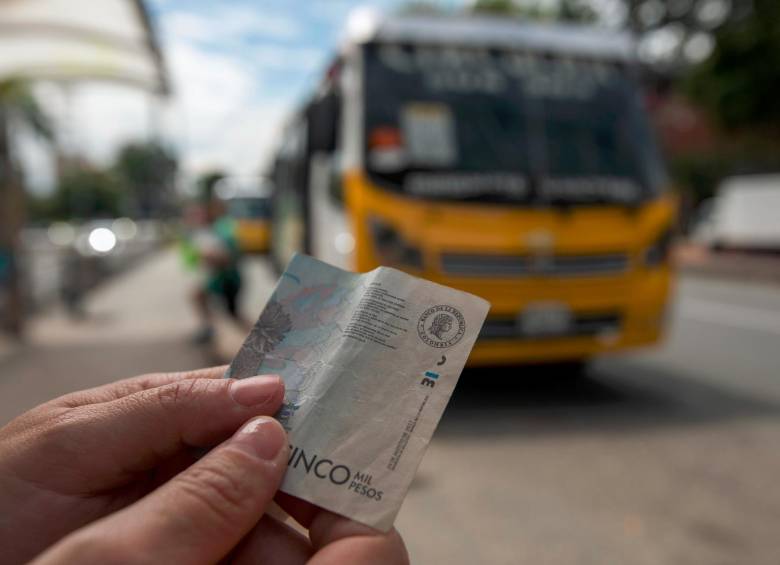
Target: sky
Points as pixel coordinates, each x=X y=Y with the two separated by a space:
x=238 y=68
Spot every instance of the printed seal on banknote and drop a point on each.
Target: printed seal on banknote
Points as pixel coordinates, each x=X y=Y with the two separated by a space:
x=441 y=326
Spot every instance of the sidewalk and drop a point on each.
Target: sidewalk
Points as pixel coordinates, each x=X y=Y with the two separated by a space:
x=7 y=348
x=698 y=260
x=138 y=323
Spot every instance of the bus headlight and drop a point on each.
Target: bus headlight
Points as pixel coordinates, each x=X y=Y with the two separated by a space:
x=344 y=243
x=658 y=253
x=392 y=248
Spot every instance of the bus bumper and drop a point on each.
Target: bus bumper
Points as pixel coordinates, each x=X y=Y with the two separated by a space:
x=551 y=350
x=638 y=320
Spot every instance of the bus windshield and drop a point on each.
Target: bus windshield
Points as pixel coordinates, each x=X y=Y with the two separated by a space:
x=489 y=125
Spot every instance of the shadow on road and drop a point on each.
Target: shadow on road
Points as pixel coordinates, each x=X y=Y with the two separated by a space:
x=610 y=398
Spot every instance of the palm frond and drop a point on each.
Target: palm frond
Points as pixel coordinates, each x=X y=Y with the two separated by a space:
x=18 y=99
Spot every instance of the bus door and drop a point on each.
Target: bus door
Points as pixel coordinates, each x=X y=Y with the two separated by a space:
x=329 y=231
x=290 y=199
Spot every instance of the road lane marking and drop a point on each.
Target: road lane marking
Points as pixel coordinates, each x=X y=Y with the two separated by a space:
x=729 y=315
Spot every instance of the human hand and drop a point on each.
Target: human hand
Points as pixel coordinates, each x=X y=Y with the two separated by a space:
x=214 y=512
x=78 y=458
x=92 y=455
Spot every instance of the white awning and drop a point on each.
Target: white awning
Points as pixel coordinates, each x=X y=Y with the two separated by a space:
x=80 y=39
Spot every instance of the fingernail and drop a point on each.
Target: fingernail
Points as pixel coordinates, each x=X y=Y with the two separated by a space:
x=263 y=437
x=256 y=390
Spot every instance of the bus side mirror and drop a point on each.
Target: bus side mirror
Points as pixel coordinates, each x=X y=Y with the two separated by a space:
x=323 y=124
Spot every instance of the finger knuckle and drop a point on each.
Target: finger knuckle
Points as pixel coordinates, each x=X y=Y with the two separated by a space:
x=60 y=438
x=64 y=427
x=183 y=392
x=21 y=425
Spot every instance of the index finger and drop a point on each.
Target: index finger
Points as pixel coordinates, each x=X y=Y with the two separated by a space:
x=126 y=387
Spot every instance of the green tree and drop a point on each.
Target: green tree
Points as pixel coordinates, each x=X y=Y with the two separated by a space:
x=421 y=7
x=563 y=10
x=84 y=193
x=738 y=83
x=207 y=183
x=495 y=6
x=147 y=172
x=17 y=105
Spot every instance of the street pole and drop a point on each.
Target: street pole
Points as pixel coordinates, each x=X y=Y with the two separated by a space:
x=11 y=219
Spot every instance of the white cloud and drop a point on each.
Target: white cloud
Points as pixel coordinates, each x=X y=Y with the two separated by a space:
x=333 y=11
x=221 y=119
x=209 y=88
x=275 y=57
x=228 y=24
x=103 y=116
x=91 y=119
x=244 y=145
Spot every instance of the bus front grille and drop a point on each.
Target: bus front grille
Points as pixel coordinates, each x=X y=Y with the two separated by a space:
x=528 y=266
x=582 y=325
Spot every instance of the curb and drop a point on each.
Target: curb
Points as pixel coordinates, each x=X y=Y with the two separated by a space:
x=732 y=274
x=728 y=265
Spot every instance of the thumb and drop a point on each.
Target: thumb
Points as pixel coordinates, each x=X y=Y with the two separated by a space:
x=201 y=514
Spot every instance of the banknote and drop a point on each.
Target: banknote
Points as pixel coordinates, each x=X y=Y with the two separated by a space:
x=369 y=362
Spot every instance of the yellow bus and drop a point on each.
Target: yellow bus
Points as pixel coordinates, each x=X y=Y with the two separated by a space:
x=252 y=225
x=509 y=160
x=247 y=204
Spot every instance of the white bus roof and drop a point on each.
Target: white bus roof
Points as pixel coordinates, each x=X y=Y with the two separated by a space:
x=481 y=31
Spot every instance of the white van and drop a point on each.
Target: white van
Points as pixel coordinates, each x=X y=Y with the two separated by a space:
x=745 y=214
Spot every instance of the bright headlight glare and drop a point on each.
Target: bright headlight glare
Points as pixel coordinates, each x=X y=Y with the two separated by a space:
x=102 y=240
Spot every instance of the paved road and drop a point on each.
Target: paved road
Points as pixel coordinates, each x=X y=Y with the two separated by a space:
x=667 y=457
